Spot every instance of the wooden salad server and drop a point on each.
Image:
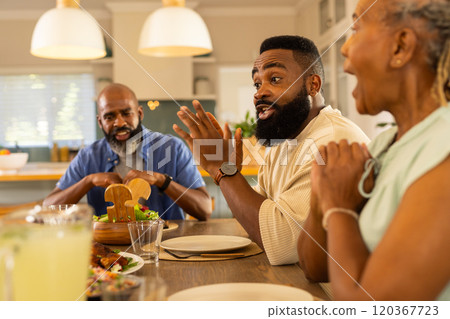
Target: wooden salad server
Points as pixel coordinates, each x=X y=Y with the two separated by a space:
x=124 y=198
x=118 y=194
x=139 y=189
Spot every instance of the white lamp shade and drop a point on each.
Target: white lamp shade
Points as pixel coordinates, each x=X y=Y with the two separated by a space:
x=68 y=34
x=174 y=32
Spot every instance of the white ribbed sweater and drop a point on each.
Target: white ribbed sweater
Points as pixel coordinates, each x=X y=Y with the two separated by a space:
x=285 y=181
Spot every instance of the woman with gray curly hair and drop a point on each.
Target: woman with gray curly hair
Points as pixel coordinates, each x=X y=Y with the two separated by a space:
x=380 y=220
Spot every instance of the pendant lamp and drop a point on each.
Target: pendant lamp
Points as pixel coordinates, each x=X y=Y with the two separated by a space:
x=174 y=31
x=67 y=33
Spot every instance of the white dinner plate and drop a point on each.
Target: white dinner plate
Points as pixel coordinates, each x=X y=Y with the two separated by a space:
x=136 y=258
x=242 y=292
x=205 y=243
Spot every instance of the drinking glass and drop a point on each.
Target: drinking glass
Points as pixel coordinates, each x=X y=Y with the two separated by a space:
x=45 y=252
x=146 y=239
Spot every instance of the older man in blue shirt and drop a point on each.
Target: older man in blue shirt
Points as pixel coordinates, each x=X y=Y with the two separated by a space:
x=128 y=151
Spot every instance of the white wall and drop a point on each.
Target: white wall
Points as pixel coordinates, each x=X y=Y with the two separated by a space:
x=237 y=35
x=307 y=23
x=150 y=78
x=15 y=34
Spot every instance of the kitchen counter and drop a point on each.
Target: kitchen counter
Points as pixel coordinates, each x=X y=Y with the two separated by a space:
x=40 y=171
x=37 y=179
x=36 y=171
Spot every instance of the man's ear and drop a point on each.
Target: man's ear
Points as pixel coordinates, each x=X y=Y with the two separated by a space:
x=405 y=43
x=314 y=85
x=140 y=112
x=99 y=122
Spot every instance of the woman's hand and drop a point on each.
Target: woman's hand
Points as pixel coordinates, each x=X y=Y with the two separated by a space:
x=335 y=184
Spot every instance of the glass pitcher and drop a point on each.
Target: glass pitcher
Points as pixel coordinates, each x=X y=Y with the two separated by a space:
x=45 y=252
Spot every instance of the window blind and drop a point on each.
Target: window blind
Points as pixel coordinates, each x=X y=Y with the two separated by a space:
x=40 y=109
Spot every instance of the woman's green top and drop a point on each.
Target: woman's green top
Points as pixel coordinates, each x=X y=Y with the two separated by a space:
x=421 y=149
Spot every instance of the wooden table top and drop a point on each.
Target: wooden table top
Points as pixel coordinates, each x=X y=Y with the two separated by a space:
x=180 y=275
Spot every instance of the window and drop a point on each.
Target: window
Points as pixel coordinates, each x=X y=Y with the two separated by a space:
x=39 y=109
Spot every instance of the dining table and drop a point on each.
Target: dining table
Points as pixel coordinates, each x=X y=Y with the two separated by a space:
x=179 y=275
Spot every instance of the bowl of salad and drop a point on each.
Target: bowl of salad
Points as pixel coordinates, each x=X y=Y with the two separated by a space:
x=116 y=233
x=122 y=288
x=106 y=285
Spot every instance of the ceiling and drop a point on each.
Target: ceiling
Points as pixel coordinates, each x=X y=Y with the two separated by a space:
x=100 y=4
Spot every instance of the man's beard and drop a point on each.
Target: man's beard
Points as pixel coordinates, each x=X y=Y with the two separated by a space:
x=120 y=147
x=285 y=121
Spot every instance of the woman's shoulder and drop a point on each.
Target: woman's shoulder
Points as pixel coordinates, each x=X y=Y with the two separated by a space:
x=423 y=148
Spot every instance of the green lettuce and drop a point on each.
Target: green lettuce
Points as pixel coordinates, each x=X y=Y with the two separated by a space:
x=138 y=213
x=145 y=215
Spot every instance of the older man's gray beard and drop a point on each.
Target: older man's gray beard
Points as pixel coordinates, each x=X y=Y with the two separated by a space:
x=120 y=148
x=123 y=148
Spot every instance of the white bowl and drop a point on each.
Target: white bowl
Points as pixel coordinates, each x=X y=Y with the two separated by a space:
x=13 y=161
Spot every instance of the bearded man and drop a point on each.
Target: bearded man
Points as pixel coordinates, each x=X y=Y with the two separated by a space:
x=129 y=151
x=291 y=118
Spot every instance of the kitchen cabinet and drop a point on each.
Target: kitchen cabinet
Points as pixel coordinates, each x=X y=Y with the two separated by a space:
x=333 y=26
x=336 y=80
x=331 y=13
x=327 y=23
x=205 y=68
x=202 y=68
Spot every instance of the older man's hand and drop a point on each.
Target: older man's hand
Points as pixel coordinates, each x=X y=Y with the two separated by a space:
x=105 y=179
x=153 y=178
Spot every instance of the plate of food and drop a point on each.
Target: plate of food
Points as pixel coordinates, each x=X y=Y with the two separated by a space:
x=134 y=263
x=115 y=261
x=205 y=243
x=98 y=275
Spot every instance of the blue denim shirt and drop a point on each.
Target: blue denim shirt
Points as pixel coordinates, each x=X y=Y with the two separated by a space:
x=160 y=153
